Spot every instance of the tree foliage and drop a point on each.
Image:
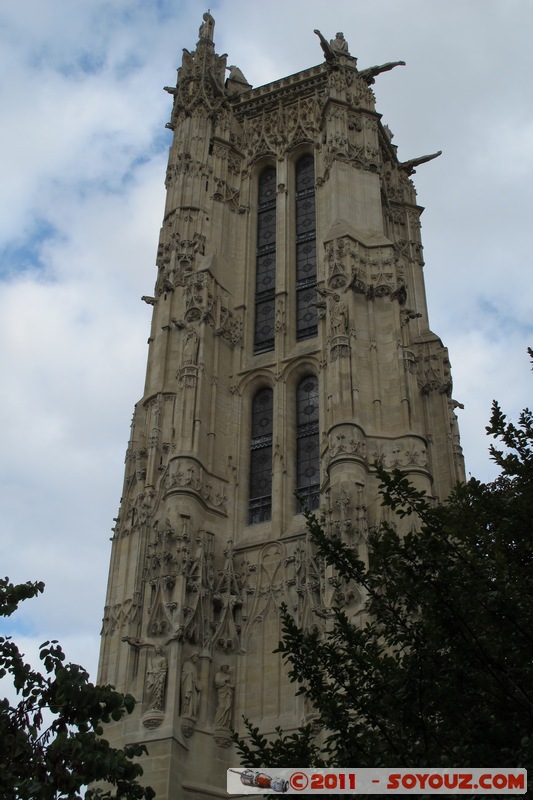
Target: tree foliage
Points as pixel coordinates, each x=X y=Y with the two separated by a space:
x=50 y=741
x=441 y=674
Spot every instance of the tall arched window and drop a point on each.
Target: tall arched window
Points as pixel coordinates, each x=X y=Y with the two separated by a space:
x=265 y=262
x=307 y=444
x=260 y=508
x=306 y=315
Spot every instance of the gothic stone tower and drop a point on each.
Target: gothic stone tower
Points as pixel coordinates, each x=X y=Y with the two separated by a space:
x=290 y=349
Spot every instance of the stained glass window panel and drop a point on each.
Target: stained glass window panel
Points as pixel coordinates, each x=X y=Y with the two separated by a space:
x=260 y=491
x=265 y=263
x=306 y=316
x=307 y=444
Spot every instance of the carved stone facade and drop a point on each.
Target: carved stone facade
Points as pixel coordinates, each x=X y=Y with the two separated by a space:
x=192 y=612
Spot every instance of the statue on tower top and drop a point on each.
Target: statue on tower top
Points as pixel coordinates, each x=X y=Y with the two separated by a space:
x=339 y=43
x=334 y=48
x=207 y=28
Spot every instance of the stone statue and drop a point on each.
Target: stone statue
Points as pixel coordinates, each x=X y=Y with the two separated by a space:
x=235 y=74
x=190 y=688
x=339 y=43
x=207 y=27
x=190 y=347
x=339 y=317
x=155 y=680
x=225 y=690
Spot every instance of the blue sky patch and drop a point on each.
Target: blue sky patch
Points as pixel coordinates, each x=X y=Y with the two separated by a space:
x=26 y=255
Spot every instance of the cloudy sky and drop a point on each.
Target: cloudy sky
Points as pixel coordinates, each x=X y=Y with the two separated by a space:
x=83 y=155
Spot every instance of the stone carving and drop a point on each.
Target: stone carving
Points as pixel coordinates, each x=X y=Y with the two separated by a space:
x=205 y=301
x=374 y=273
x=190 y=688
x=349 y=139
x=338 y=325
x=227 y=324
x=346 y=443
x=225 y=690
x=235 y=74
x=181 y=584
x=106 y=622
x=176 y=259
x=282 y=127
x=222 y=739
x=397 y=186
x=199 y=297
x=167 y=559
x=354 y=121
x=327 y=49
x=345 y=516
x=130 y=610
x=370 y=73
x=394 y=455
x=280 y=315
x=140 y=463
x=200 y=85
x=434 y=368
x=155 y=680
x=340 y=148
x=292 y=574
x=454 y=426
x=207 y=28
x=266 y=585
x=187 y=474
x=338 y=317
x=409 y=361
x=121 y=615
x=339 y=44
x=184 y=164
x=340 y=348
x=333 y=48
x=197 y=611
x=433 y=382
x=190 y=347
x=234 y=163
x=409 y=167
x=227 y=600
x=227 y=194
x=160 y=622
x=309 y=583
x=406 y=452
